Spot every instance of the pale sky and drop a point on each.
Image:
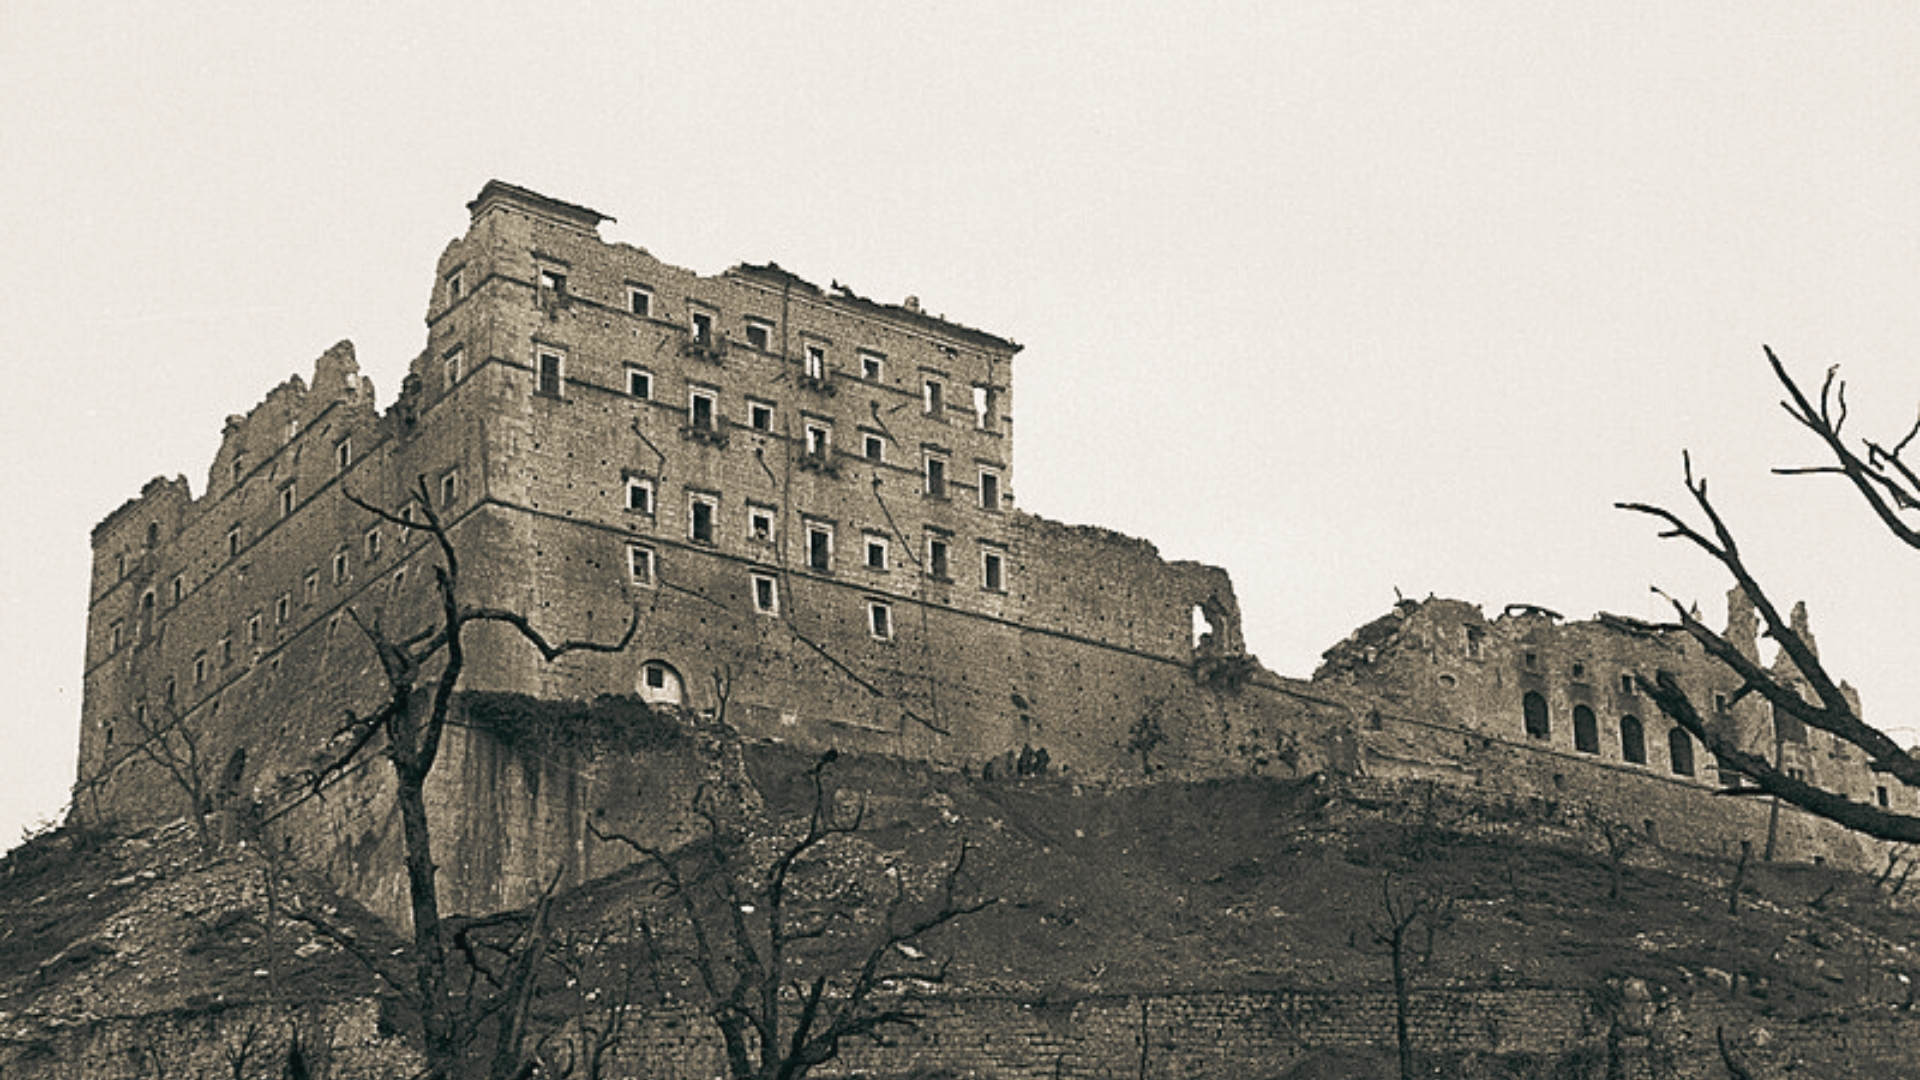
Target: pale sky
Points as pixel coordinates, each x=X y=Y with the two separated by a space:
x=1344 y=298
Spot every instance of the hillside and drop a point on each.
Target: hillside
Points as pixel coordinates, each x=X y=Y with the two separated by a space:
x=1247 y=887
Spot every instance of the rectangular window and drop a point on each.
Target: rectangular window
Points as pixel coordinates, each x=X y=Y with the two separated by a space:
x=170 y=692
x=937 y=557
x=640 y=565
x=1626 y=684
x=819 y=547
x=766 y=595
x=934 y=397
x=873 y=366
x=819 y=440
x=553 y=281
x=993 y=571
x=449 y=487
x=200 y=676
x=455 y=365
x=700 y=409
x=880 y=620
x=340 y=568
x=816 y=361
x=455 y=285
x=639 y=301
x=760 y=416
x=310 y=589
x=287 y=500
x=876 y=553
x=759 y=334
x=343 y=455
x=550 y=373
x=373 y=545
x=640 y=383
x=700 y=514
x=936 y=477
x=989 y=490
x=873 y=447
x=1880 y=797
x=226 y=651
x=116 y=635
x=253 y=629
x=760 y=524
x=176 y=589
x=640 y=494
x=983 y=408
x=702 y=327
x=282 y=609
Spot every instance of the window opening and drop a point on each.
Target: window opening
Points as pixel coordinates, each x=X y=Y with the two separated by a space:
x=551 y=378
x=340 y=567
x=760 y=524
x=759 y=334
x=1680 y=751
x=1626 y=684
x=989 y=490
x=992 y=571
x=373 y=545
x=455 y=365
x=819 y=547
x=872 y=366
x=816 y=362
x=873 y=447
x=760 y=416
x=640 y=383
x=1586 y=730
x=1633 y=740
x=876 y=553
x=311 y=588
x=880 y=620
x=1533 y=707
x=639 y=564
x=449 y=487
x=766 y=595
x=176 y=589
x=454 y=285
x=700 y=410
x=982 y=408
x=702 y=328
x=640 y=495
x=819 y=441
x=933 y=393
x=936 y=477
x=937 y=557
x=659 y=683
x=700 y=519
x=343 y=455
x=640 y=302
x=552 y=280
x=286 y=501
x=282 y=609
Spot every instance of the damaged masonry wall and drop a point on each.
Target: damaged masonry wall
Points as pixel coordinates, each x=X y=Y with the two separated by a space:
x=806 y=495
x=1528 y=705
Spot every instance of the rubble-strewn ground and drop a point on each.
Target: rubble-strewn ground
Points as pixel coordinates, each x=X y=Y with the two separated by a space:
x=1248 y=884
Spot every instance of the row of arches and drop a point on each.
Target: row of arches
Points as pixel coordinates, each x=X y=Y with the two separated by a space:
x=1586 y=734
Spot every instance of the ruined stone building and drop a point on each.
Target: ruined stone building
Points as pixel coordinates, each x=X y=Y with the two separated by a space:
x=808 y=497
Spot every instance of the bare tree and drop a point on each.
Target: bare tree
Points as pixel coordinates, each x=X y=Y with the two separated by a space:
x=1409 y=919
x=422 y=671
x=794 y=949
x=1809 y=693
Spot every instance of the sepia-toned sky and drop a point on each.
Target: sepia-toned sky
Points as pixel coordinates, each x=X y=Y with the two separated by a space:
x=1347 y=298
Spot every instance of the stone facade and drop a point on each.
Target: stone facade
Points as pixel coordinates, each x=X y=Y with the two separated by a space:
x=806 y=492
x=806 y=497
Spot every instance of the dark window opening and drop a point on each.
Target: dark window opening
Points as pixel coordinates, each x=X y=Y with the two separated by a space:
x=937 y=558
x=639 y=383
x=549 y=377
x=874 y=448
x=701 y=526
x=1586 y=730
x=1533 y=708
x=819 y=549
x=553 y=280
x=936 y=478
x=992 y=571
x=1680 y=751
x=702 y=328
x=760 y=417
x=701 y=412
x=1633 y=740
x=759 y=335
x=989 y=491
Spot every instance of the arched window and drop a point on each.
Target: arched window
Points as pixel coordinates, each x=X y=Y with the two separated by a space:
x=1633 y=740
x=1680 y=751
x=1534 y=708
x=660 y=684
x=1586 y=730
